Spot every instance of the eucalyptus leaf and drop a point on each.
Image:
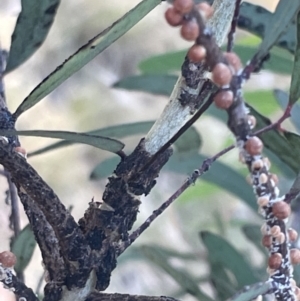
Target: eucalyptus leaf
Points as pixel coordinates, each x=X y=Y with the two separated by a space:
x=32 y=27
x=160 y=84
x=117 y=131
x=86 y=53
x=104 y=143
x=222 y=252
x=187 y=283
x=295 y=84
x=23 y=247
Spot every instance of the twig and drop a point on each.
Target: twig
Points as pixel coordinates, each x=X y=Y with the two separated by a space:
x=126 y=297
x=3 y=55
x=234 y=22
x=286 y=114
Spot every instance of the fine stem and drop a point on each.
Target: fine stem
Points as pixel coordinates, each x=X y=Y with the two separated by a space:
x=234 y=22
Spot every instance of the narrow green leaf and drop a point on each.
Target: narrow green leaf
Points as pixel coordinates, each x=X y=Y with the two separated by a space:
x=187 y=282
x=283 y=99
x=295 y=84
x=254 y=235
x=285 y=12
x=117 y=131
x=157 y=84
x=104 y=143
x=222 y=252
x=23 y=247
x=32 y=27
x=252 y=292
x=86 y=53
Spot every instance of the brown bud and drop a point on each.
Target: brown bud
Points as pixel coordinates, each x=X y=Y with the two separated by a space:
x=293 y=282
x=275 y=231
x=190 y=30
x=221 y=74
x=295 y=256
x=271 y=271
x=223 y=99
x=205 y=9
x=280 y=238
x=254 y=146
x=8 y=259
x=173 y=17
x=274 y=261
x=297 y=293
x=263 y=201
x=263 y=178
x=267 y=241
x=197 y=53
x=234 y=61
x=281 y=209
x=21 y=151
x=183 y=6
x=293 y=234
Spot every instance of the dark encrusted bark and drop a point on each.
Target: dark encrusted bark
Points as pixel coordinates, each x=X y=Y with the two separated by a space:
x=106 y=224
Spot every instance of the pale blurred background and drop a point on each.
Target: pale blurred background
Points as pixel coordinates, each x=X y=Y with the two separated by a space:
x=85 y=102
